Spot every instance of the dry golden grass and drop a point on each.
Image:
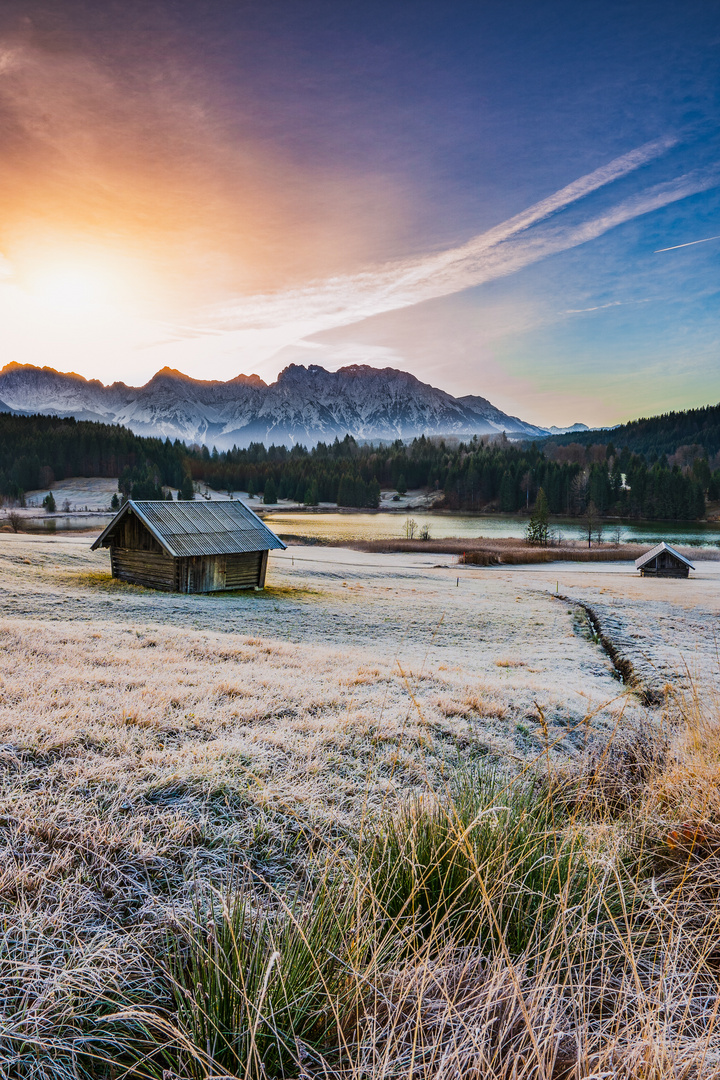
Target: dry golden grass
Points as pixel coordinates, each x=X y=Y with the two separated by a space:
x=619 y=976
x=96 y=579
x=145 y=757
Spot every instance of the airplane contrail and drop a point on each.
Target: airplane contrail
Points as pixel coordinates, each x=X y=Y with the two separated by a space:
x=689 y=244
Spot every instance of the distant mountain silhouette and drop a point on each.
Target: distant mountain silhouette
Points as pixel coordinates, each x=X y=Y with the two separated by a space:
x=304 y=405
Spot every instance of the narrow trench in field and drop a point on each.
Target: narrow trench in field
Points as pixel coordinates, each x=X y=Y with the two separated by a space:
x=621 y=663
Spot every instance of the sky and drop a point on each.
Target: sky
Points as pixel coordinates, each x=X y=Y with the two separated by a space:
x=513 y=198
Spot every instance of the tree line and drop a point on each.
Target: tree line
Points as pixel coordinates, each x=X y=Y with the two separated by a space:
x=655 y=436
x=37 y=450
x=479 y=474
x=476 y=475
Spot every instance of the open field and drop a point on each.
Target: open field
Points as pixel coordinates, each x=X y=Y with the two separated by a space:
x=80 y=492
x=149 y=741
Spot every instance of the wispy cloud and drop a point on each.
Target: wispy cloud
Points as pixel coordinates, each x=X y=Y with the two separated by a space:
x=603 y=307
x=690 y=243
x=526 y=238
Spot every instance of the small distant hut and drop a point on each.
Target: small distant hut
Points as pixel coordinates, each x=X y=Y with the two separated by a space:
x=663 y=561
x=189 y=547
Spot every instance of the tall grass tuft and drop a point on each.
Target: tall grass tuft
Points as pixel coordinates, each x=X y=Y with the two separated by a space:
x=491 y=863
x=259 y=990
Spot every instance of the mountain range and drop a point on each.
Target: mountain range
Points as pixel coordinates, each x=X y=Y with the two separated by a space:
x=304 y=405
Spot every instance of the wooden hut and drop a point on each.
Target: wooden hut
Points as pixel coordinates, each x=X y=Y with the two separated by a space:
x=663 y=561
x=189 y=547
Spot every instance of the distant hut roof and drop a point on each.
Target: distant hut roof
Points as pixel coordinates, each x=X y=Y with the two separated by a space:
x=200 y=528
x=650 y=555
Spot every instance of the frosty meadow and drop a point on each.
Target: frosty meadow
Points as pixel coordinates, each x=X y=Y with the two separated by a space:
x=257 y=833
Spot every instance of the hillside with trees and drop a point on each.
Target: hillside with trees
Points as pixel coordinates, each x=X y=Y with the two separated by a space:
x=656 y=436
x=481 y=474
x=37 y=450
x=478 y=475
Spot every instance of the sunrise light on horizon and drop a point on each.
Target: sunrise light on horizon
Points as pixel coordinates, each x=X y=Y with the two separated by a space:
x=504 y=199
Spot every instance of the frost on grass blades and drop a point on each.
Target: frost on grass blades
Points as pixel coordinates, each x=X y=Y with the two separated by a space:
x=368 y=824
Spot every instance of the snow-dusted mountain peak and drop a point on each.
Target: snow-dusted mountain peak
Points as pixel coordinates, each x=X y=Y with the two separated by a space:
x=304 y=405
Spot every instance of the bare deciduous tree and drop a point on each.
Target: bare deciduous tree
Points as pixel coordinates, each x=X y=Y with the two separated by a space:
x=591 y=522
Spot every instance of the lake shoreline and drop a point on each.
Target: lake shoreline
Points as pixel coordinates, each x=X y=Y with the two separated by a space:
x=483 y=551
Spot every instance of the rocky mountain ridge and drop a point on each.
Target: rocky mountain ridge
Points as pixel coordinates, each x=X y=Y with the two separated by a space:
x=304 y=405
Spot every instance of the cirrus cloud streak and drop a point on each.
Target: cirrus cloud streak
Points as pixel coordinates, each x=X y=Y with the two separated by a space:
x=536 y=233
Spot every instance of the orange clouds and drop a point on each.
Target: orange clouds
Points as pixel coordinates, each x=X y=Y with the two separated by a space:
x=143 y=166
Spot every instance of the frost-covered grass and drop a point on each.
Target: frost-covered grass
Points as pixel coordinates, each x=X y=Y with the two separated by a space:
x=210 y=810
x=544 y=924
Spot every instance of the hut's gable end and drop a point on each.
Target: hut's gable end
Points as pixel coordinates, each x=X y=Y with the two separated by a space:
x=663 y=561
x=137 y=557
x=133 y=533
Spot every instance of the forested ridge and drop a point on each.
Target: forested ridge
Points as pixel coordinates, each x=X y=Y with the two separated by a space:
x=475 y=475
x=657 y=435
x=36 y=450
x=480 y=474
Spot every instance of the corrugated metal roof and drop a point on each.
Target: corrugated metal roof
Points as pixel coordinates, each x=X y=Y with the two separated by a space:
x=650 y=555
x=200 y=528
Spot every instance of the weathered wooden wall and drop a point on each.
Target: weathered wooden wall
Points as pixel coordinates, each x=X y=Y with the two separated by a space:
x=664 y=565
x=244 y=571
x=150 y=568
x=213 y=573
x=137 y=557
x=131 y=532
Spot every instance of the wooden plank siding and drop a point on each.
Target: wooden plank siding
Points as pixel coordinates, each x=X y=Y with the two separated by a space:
x=213 y=573
x=156 y=570
x=198 y=574
x=243 y=571
x=133 y=533
x=137 y=556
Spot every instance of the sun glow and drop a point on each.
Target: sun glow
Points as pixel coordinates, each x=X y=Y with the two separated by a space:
x=72 y=288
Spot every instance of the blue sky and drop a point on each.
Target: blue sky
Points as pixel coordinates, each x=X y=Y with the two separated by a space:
x=229 y=187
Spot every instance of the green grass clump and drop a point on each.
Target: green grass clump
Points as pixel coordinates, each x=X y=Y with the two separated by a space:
x=257 y=988
x=491 y=862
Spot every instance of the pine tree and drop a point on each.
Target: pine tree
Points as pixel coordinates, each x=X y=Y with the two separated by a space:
x=270 y=492
x=537 y=530
x=508 y=495
x=373 y=493
x=345 y=493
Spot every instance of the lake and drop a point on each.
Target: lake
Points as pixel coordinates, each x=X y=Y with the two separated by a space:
x=62 y=522
x=346 y=527
x=388 y=526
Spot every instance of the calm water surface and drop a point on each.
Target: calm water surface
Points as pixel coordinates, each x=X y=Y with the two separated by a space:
x=384 y=526
x=389 y=526
x=65 y=522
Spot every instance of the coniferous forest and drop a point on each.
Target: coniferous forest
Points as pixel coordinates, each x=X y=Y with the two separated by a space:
x=621 y=472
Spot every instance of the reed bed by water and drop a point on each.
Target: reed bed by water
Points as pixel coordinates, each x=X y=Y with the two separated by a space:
x=509 y=551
